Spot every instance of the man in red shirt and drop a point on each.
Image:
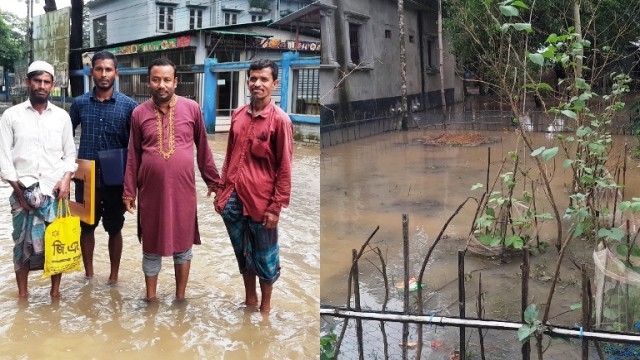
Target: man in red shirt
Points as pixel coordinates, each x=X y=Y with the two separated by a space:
x=256 y=183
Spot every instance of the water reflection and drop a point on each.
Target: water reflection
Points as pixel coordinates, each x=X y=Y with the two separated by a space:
x=373 y=181
x=99 y=321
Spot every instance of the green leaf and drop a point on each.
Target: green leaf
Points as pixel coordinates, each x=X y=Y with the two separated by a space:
x=622 y=249
x=545 y=86
x=569 y=113
x=613 y=234
x=537 y=151
x=551 y=39
x=549 y=153
x=567 y=163
x=537 y=59
x=505 y=27
x=581 y=84
x=508 y=10
x=485 y=239
x=525 y=331
x=531 y=313
x=476 y=186
x=635 y=250
x=575 y=307
x=514 y=241
x=495 y=241
x=616 y=234
x=520 y=4
x=625 y=205
x=545 y=216
x=522 y=26
x=579 y=230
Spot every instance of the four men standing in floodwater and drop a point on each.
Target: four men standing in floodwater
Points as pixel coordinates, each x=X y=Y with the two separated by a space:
x=159 y=180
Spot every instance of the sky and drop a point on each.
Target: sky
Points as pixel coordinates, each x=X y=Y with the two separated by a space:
x=19 y=7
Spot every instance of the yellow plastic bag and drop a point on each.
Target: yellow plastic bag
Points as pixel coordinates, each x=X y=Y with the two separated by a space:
x=62 y=252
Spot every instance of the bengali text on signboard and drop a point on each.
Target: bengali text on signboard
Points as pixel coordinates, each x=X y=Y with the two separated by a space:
x=157 y=45
x=282 y=44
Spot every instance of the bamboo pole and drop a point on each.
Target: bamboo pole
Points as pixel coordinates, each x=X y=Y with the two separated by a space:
x=526 y=346
x=480 y=316
x=461 y=302
x=405 y=247
x=353 y=264
x=356 y=299
x=586 y=311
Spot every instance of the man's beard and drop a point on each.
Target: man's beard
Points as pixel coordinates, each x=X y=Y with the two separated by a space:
x=37 y=99
x=104 y=88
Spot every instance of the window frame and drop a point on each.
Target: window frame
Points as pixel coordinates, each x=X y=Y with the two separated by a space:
x=364 y=56
x=165 y=20
x=233 y=16
x=195 y=18
x=99 y=22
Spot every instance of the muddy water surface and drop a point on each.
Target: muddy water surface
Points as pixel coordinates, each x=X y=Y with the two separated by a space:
x=372 y=182
x=95 y=321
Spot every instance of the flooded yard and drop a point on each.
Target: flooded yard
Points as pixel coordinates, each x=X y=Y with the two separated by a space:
x=372 y=182
x=93 y=320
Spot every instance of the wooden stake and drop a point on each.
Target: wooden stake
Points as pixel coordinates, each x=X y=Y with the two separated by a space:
x=526 y=346
x=356 y=298
x=405 y=248
x=461 y=302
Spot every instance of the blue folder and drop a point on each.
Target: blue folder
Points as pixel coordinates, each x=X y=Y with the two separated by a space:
x=112 y=165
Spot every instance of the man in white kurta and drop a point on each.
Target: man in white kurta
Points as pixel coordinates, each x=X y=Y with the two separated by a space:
x=37 y=158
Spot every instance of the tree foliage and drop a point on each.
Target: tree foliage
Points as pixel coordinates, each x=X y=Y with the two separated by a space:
x=477 y=38
x=12 y=39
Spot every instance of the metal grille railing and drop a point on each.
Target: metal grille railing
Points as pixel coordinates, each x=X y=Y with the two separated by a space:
x=306 y=91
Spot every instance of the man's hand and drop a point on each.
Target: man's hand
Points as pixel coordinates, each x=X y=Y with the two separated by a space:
x=270 y=221
x=213 y=188
x=129 y=205
x=62 y=188
x=20 y=194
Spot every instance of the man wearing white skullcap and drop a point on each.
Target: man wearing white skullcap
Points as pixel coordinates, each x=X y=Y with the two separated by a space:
x=38 y=159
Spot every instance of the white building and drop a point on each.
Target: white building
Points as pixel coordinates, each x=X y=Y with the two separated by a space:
x=117 y=21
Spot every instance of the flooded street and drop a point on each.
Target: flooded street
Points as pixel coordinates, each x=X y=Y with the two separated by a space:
x=372 y=182
x=95 y=321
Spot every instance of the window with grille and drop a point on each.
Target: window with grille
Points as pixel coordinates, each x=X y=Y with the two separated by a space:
x=306 y=91
x=354 y=42
x=358 y=40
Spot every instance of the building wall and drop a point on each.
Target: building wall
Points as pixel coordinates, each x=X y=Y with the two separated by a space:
x=131 y=20
x=372 y=90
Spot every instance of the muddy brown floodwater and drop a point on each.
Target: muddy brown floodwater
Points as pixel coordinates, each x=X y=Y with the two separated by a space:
x=373 y=181
x=95 y=321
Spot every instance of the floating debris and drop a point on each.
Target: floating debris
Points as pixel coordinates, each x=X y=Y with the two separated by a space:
x=413 y=285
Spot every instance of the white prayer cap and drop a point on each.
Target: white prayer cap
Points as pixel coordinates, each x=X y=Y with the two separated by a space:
x=40 y=65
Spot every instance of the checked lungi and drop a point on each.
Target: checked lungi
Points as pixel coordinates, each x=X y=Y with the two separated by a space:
x=28 y=230
x=255 y=247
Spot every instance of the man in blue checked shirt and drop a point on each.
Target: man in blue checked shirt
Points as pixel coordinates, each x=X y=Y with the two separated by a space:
x=105 y=117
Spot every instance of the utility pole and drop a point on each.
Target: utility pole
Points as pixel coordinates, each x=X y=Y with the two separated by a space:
x=30 y=29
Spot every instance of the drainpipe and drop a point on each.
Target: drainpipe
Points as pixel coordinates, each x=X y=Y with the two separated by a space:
x=210 y=90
